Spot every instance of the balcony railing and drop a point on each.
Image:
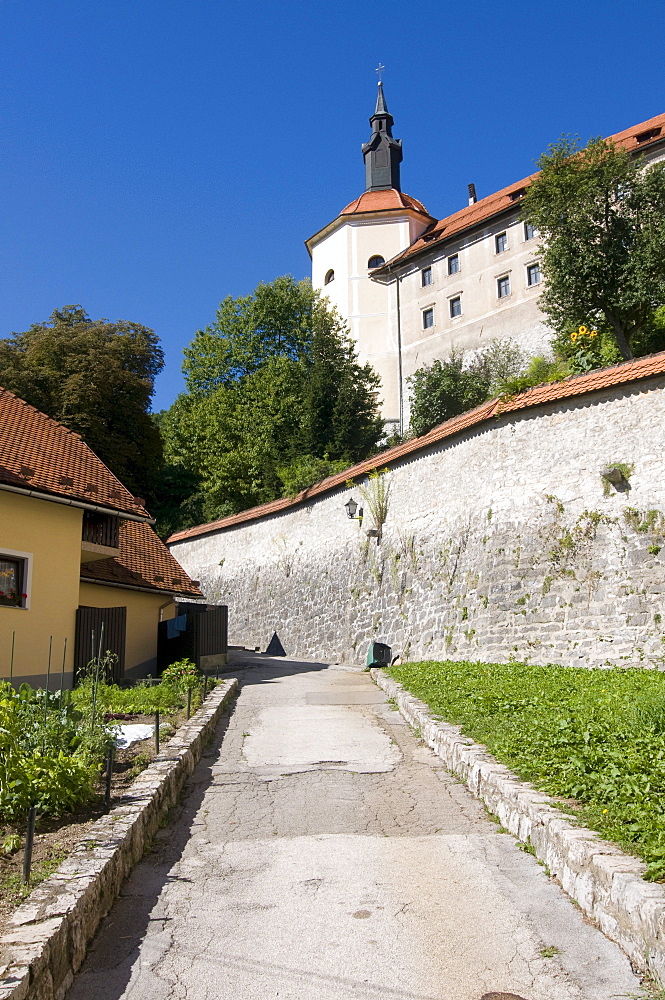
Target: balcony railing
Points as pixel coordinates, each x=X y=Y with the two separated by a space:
x=100 y=529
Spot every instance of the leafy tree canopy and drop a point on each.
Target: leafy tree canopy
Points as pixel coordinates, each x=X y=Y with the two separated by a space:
x=447 y=388
x=96 y=377
x=601 y=218
x=277 y=400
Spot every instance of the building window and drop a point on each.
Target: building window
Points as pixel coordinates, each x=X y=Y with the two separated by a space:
x=426 y=276
x=456 y=306
x=533 y=275
x=375 y=261
x=12 y=581
x=453 y=264
x=503 y=286
x=530 y=232
x=428 y=318
x=501 y=242
x=330 y=276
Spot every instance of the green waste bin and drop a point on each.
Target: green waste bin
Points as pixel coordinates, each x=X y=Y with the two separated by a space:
x=379 y=655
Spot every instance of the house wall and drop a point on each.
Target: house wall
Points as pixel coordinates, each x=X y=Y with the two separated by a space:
x=368 y=307
x=500 y=542
x=50 y=534
x=143 y=616
x=484 y=317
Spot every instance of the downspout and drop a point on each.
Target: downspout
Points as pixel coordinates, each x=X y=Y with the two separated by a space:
x=400 y=396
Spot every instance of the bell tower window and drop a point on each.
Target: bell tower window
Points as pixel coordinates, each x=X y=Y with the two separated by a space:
x=330 y=276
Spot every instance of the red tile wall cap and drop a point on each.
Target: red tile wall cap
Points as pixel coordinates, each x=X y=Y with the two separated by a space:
x=144 y=562
x=501 y=200
x=575 y=385
x=38 y=453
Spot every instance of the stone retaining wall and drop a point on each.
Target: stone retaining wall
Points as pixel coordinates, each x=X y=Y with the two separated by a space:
x=600 y=878
x=500 y=541
x=47 y=937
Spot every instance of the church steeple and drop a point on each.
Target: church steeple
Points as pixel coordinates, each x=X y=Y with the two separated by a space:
x=382 y=154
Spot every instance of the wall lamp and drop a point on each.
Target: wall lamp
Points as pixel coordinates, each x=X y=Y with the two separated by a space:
x=351 y=508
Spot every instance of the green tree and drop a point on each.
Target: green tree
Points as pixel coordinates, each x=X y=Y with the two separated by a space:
x=601 y=217
x=97 y=378
x=277 y=399
x=447 y=388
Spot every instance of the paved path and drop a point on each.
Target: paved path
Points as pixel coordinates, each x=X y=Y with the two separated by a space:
x=322 y=853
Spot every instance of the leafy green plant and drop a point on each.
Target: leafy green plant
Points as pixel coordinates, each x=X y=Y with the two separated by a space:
x=596 y=736
x=182 y=675
x=376 y=496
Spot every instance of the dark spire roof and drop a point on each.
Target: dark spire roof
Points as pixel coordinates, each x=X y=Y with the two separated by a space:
x=383 y=153
x=381 y=106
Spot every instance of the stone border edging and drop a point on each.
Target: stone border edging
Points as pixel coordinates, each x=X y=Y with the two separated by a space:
x=47 y=936
x=604 y=882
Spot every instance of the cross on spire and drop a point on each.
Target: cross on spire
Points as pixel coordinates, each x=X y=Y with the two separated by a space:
x=379 y=70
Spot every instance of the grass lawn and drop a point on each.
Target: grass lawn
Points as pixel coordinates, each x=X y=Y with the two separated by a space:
x=594 y=736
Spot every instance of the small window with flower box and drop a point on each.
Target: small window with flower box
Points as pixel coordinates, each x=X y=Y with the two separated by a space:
x=13 y=579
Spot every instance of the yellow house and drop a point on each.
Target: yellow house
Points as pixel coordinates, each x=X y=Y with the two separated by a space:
x=80 y=566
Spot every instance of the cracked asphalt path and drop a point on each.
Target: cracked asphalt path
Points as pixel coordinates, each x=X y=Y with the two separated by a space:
x=321 y=852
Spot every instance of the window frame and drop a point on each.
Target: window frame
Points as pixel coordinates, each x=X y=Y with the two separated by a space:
x=499 y=281
x=428 y=312
x=534 y=266
x=24 y=559
x=426 y=273
x=501 y=237
x=376 y=257
x=529 y=226
x=329 y=277
x=451 y=303
x=454 y=270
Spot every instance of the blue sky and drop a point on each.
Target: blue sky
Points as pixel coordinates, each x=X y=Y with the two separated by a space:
x=159 y=155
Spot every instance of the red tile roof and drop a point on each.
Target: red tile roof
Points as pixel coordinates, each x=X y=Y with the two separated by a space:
x=37 y=453
x=578 y=385
x=384 y=201
x=651 y=131
x=144 y=562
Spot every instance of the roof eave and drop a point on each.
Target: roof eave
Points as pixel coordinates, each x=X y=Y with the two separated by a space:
x=145 y=590
x=75 y=502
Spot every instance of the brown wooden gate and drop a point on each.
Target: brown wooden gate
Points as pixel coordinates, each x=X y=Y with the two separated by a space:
x=89 y=623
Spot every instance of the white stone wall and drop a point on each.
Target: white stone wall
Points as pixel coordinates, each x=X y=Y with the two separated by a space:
x=499 y=543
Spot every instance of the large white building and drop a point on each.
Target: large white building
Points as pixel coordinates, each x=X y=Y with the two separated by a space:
x=411 y=287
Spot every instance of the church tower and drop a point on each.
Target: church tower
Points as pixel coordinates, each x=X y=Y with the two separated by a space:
x=372 y=229
x=382 y=153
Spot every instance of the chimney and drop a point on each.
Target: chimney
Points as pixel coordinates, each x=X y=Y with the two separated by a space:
x=472 y=194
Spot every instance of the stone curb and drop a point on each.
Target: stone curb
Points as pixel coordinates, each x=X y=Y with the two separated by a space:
x=604 y=882
x=47 y=936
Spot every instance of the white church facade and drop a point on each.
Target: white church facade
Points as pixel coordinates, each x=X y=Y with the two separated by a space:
x=412 y=288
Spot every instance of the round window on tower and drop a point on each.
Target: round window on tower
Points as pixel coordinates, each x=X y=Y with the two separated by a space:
x=330 y=276
x=375 y=261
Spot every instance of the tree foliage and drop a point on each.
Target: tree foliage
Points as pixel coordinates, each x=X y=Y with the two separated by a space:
x=276 y=399
x=601 y=218
x=97 y=378
x=447 y=388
